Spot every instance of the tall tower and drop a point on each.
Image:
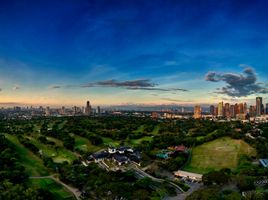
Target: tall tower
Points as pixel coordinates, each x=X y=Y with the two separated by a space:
x=245 y=108
x=220 y=109
x=258 y=106
x=88 y=108
x=227 y=110
x=212 y=110
x=197 y=112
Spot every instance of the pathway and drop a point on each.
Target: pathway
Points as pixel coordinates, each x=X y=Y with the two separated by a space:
x=73 y=190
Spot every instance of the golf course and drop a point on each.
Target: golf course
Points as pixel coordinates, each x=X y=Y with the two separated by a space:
x=217 y=154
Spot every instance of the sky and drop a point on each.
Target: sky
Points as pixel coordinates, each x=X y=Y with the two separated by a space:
x=133 y=52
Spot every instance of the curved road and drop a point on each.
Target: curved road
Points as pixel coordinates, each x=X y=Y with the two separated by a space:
x=73 y=190
x=143 y=173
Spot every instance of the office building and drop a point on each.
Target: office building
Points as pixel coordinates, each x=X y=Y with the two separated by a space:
x=259 y=106
x=212 y=110
x=197 y=112
x=220 y=109
x=88 y=109
x=227 y=110
x=232 y=111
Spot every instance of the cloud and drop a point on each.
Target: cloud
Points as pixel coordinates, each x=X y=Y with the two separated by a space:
x=140 y=84
x=16 y=87
x=54 y=87
x=0 y=89
x=237 y=85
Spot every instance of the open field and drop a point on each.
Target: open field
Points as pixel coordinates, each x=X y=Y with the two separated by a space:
x=33 y=164
x=140 y=140
x=156 y=130
x=58 y=191
x=109 y=141
x=59 y=154
x=220 y=153
x=84 y=144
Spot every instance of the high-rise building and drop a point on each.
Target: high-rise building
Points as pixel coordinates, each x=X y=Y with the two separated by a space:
x=88 y=109
x=98 y=110
x=258 y=106
x=241 y=108
x=236 y=109
x=245 y=108
x=220 y=109
x=266 y=109
x=212 y=110
x=232 y=111
x=47 y=111
x=227 y=110
x=197 y=112
x=252 y=111
x=216 y=111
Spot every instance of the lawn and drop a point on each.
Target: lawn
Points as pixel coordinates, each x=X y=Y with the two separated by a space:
x=33 y=164
x=217 y=154
x=58 y=191
x=140 y=129
x=59 y=154
x=84 y=144
x=156 y=130
x=109 y=141
x=140 y=140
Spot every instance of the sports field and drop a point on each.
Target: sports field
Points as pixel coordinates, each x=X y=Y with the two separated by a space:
x=217 y=154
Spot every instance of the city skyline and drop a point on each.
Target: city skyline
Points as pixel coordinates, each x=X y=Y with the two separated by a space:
x=134 y=52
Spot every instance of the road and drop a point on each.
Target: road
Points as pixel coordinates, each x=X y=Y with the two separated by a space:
x=73 y=190
x=144 y=174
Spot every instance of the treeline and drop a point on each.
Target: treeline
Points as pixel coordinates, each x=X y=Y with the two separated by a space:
x=96 y=183
x=13 y=177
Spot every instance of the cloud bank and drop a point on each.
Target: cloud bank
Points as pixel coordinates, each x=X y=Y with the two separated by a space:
x=238 y=84
x=140 y=84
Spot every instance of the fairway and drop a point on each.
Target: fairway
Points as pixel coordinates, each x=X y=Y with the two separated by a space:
x=220 y=153
x=33 y=164
x=84 y=144
x=58 y=191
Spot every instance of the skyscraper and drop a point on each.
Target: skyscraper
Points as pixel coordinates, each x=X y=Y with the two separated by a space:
x=232 y=111
x=241 y=108
x=236 y=109
x=245 y=108
x=259 y=106
x=212 y=110
x=88 y=109
x=227 y=110
x=197 y=112
x=266 y=109
x=252 y=111
x=220 y=109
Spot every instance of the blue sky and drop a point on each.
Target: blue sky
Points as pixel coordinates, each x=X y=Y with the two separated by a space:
x=65 y=52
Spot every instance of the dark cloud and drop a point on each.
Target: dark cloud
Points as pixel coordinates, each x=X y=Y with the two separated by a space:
x=55 y=86
x=237 y=85
x=141 y=84
x=0 y=89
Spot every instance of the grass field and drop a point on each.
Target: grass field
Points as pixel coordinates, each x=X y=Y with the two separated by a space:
x=220 y=153
x=84 y=144
x=33 y=164
x=109 y=141
x=156 y=130
x=58 y=155
x=58 y=191
x=140 y=140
